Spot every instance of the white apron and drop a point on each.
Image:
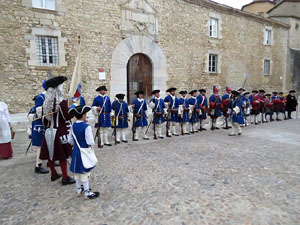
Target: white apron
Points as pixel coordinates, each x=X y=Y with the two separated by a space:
x=5 y=133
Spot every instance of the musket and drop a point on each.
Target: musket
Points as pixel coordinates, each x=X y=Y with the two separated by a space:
x=98 y=135
x=49 y=114
x=168 y=121
x=28 y=147
x=154 y=124
x=133 y=124
x=115 y=129
x=193 y=117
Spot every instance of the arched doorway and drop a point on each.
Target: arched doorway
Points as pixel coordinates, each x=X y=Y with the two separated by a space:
x=139 y=76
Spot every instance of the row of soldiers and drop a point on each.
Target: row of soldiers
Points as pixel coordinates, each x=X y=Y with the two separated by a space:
x=184 y=115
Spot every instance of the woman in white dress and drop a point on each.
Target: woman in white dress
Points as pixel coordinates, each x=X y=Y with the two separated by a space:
x=6 y=151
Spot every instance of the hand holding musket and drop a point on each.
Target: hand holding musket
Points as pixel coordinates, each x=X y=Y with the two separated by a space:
x=133 y=122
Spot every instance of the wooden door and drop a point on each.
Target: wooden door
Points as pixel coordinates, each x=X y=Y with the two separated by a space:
x=139 y=76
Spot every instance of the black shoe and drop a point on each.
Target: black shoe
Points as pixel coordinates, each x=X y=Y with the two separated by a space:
x=146 y=138
x=67 y=181
x=239 y=134
x=108 y=144
x=168 y=136
x=125 y=141
x=135 y=139
x=161 y=137
x=118 y=142
x=92 y=195
x=212 y=128
x=176 y=135
x=204 y=129
x=54 y=177
x=40 y=170
x=217 y=128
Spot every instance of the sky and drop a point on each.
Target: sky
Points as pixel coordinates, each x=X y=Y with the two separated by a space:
x=234 y=3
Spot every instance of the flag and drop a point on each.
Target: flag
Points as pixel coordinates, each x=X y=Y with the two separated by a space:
x=75 y=87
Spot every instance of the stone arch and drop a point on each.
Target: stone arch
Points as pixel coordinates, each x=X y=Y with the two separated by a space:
x=121 y=55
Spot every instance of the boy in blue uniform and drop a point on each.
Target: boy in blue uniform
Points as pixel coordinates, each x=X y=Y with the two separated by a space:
x=38 y=129
x=194 y=109
x=215 y=105
x=139 y=108
x=159 y=110
x=183 y=112
x=173 y=105
x=236 y=114
x=120 y=114
x=81 y=136
x=102 y=109
x=246 y=108
x=203 y=106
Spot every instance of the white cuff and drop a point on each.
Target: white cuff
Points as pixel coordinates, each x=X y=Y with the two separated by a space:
x=236 y=110
x=94 y=110
x=151 y=105
x=30 y=117
x=39 y=111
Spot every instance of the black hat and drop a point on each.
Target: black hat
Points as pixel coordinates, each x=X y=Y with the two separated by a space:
x=183 y=92
x=292 y=91
x=139 y=93
x=281 y=93
x=120 y=96
x=241 y=89
x=275 y=93
x=254 y=91
x=262 y=91
x=268 y=95
x=101 y=88
x=171 y=89
x=246 y=93
x=202 y=90
x=79 y=110
x=192 y=92
x=155 y=91
x=235 y=93
x=55 y=81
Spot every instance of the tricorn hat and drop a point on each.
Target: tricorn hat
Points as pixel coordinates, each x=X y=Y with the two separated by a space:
x=192 y=92
x=202 y=90
x=101 y=88
x=268 y=95
x=155 y=91
x=254 y=91
x=55 y=81
x=275 y=93
x=247 y=93
x=183 y=92
x=292 y=91
x=241 y=89
x=171 y=89
x=236 y=93
x=120 y=96
x=262 y=91
x=281 y=93
x=79 y=110
x=139 y=93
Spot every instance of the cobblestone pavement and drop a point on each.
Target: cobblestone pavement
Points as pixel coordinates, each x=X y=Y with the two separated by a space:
x=205 y=178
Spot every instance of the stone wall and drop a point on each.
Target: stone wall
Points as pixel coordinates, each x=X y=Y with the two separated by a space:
x=182 y=36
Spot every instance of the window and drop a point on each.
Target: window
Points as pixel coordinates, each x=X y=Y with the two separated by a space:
x=268 y=34
x=267 y=65
x=213 y=28
x=47 y=51
x=44 y=4
x=213 y=63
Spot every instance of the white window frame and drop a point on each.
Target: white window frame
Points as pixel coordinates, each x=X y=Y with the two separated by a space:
x=210 y=63
x=268 y=37
x=32 y=50
x=213 y=27
x=44 y=4
x=267 y=71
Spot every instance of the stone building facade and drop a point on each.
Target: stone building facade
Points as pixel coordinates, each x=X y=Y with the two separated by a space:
x=189 y=44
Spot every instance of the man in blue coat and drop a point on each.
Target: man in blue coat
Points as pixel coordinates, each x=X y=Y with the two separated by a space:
x=203 y=106
x=172 y=105
x=159 y=110
x=37 y=128
x=183 y=112
x=102 y=110
x=236 y=114
x=120 y=117
x=194 y=109
x=139 y=109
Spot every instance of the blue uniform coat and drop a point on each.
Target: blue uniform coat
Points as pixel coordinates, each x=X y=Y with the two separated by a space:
x=237 y=118
x=121 y=113
x=174 y=105
x=105 y=111
x=217 y=100
x=140 y=108
x=38 y=128
x=202 y=101
x=76 y=163
x=185 y=104
x=195 y=116
x=159 y=108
